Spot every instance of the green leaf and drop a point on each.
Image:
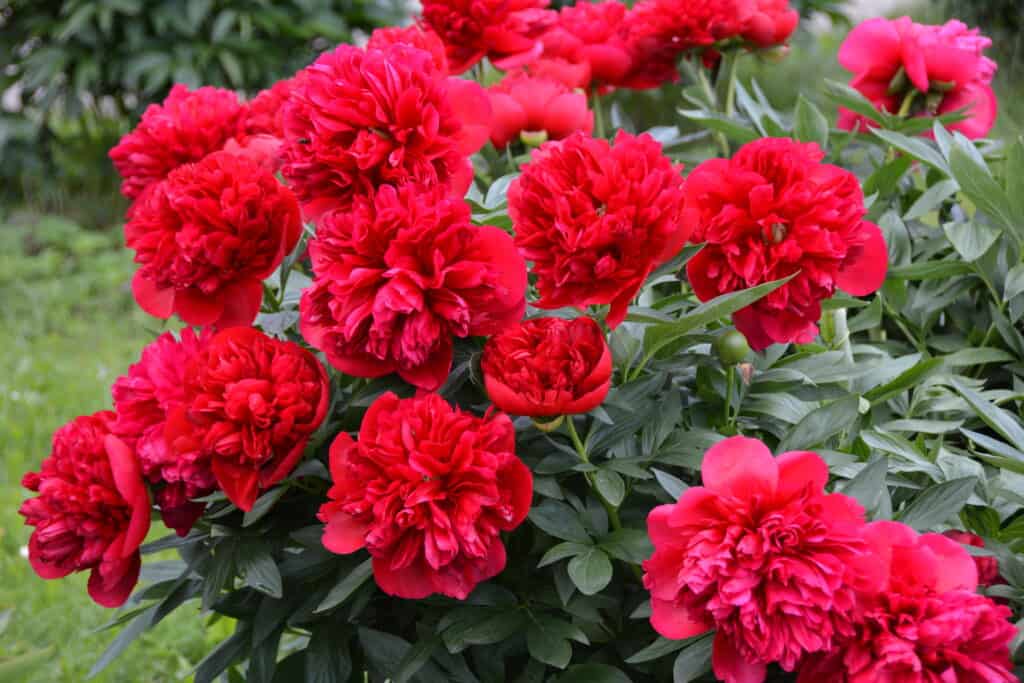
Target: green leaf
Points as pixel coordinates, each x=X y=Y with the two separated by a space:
x=546 y=645
x=491 y=629
x=971 y=240
x=994 y=445
x=821 y=424
x=938 y=503
x=867 y=486
x=263 y=505
x=977 y=183
x=593 y=673
x=1014 y=282
x=731 y=128
x=659 y=336
x=915 y=147
x=414 y=659
x=674 y=486
x=810 y=124
x=557 y=519
x=980 y=356
x=992 y=415
x=259 y=569
x=19 y=667
x=561 y=552
x=694 y=661
x=844 y=95
x=931 y=199
x=590 y=571
x=611 y=486
x=656 y=650
x=629 y=545
x=930 y=270
x=346 y=585
x=223 y=655
x=327 y=658
x=906 y=380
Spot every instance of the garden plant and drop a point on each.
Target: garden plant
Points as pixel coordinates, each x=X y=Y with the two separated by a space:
x=479 y=382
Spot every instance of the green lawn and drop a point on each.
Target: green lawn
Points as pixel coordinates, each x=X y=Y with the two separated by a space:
x=68 y=328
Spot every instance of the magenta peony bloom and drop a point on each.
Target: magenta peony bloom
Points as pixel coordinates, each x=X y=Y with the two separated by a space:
x=525 y=104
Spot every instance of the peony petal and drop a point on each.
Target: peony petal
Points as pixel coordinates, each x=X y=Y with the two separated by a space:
x=516 y=478
x=124 y=465
x=433 y=373
x=242 y=302
x=873 y=46
x=509 y=119
x=800 y=471
x=957 y=569
x=344 y=534
x=864 y=269
x=111 y=583
x=982 y=109
x=675 y=622
x=157 y=302
x=748 y=322
x=196 y=308
x=44 y=569
x=729 y=665
x=740 y=467
x=658 y=528
x=413 y=582
x=240 y=484
x=473 y=108
x=495 y=247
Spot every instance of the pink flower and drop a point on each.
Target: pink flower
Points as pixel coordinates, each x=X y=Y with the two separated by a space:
x=417 y=35
x=427 y=490
x=522 y=104
x=358 y=119
x=762 y=554
x=988 y=567
x=925 y=623
x=592 y=33
x=915 y=69
x=143 y=398
x=399 y=276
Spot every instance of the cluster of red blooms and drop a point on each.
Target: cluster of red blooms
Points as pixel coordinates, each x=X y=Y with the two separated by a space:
x=791 y=575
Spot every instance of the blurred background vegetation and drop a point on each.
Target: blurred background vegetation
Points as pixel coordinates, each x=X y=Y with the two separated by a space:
x=79 y=72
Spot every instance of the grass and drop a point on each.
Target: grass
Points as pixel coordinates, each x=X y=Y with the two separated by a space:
x=68 y=328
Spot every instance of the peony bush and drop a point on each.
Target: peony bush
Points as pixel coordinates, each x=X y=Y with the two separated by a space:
x=473 y=385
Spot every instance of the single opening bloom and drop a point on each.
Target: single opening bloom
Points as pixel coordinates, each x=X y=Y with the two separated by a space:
x=358 y=119
x=505 y=30
x=525 y=104
x=925 y=624
x=918 y=70
x=207 y=237
x=92 y=511
x=427 y=490
x=595 y=219
x=153 y=388
x=402 y=274
x=593 y=34
x=774 y=211
x=548 y=366
x=762 y=554
x=252 y=402
x=187 y=126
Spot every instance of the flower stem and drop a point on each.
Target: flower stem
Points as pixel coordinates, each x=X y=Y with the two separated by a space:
x=730 y=380
x=599 y=125
x=581 y=450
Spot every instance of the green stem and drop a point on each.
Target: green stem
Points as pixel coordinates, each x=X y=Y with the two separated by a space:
x=709 y=93
x=730 y=380
x=841 y=334
x=581 y=450
x=599 y=125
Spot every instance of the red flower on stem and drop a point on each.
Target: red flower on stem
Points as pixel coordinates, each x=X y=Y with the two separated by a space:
x=427 y=489
x=92 y=511
x=774 y=211
x=207 y=237
x=592 y=34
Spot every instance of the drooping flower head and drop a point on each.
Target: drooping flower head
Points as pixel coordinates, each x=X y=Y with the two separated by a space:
x=505 y=30
x=774 y=211
x=427 y=489
x=925 y=623
x=596 y=218
x=762 y=554
x=92 y=511
x=251 y=404
x=915 y=69
x=207 y=236
x=544 y=367
x=417 y=35
x=399 y=276
x=592 y=33
x=153 y=388
x=525 y=104
x=187 y=126
x=358 y=119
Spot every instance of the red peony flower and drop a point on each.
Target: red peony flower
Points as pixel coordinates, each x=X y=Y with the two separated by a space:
x=417 y=35
x=143 y=398
x=925 y=624
x=988 y=567
x=573 y=75
x=426 y=490
x=402 y=273
x=762 y=554
x=592 y=33
x=252 y=402
x=523 y=104
x=505 y=30
x=264 y=115
x=772 y=211
x=184 y=129
x=206 y=238
x=597 y=218
x=359 y=119
x=909 y=68
x=92 y=511
x=771 y=22
x=548 y=366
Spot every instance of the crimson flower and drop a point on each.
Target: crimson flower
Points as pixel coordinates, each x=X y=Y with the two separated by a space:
x=774 y=211
x=573 y=75
x=356 y=120
x=427 y=490
x=400 y=275
x=592 y=34
x=187 y=126
x=92 y=511
x=207 y=237
x=988 y=567
x=143 y=398
x=595 y=219
x=264 y=114
x=505 y=30
x=417 y=35
x=251 y=404
x=925 y=623
x=525 y=104
x=909 y=68
x=762 y=554
x=548 y=366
